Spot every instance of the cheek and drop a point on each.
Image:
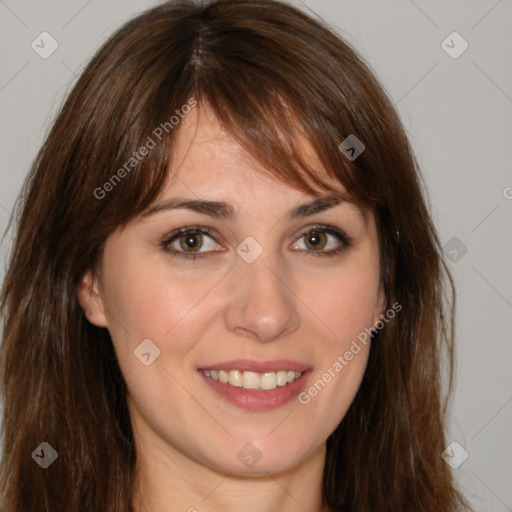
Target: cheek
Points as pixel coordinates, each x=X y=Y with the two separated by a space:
x=145 y=299
x=345 y=306
x=345 y=301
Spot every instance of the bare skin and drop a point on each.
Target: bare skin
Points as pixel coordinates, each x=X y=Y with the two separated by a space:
x=290 y=303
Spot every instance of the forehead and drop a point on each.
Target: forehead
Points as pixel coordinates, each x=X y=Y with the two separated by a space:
x=212 y=174
x=205 y=153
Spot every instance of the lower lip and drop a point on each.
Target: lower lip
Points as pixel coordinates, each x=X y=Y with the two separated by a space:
x=254 y=400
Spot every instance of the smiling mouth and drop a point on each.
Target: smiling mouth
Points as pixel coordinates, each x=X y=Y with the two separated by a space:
x=252 y=380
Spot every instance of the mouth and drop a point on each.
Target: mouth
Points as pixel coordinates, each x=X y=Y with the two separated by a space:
x=256 y=386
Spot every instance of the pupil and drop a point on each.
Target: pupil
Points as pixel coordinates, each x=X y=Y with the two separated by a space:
x=315 y=239
x=191 y=241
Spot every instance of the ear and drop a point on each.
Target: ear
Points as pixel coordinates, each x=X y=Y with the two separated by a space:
x=90 y=299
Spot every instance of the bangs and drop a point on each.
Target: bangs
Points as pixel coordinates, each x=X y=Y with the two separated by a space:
x=268 y=96
x=270 y=127
x=121 y=124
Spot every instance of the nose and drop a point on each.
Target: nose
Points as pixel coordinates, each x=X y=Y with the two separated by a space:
x=261 y=303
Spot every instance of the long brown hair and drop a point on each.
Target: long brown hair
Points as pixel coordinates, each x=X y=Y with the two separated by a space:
x=271 y=74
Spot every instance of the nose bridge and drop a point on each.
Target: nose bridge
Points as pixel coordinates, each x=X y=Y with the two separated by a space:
x=262 y=305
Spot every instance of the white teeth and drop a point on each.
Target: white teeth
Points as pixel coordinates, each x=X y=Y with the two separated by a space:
x=252 y=380
x=235 y=378
x=268 y=381
x=282 y=378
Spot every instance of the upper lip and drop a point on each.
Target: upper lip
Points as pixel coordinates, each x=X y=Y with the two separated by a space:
x=250 y=365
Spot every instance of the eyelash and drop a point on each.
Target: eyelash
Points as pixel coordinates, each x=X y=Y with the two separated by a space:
x=345 y=240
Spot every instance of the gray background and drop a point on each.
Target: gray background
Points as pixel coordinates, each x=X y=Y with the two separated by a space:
x=458 y=115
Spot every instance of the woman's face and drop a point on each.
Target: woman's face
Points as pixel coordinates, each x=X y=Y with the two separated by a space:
x=252 y=301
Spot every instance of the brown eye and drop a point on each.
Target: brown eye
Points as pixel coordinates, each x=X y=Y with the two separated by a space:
x=192 y=241
x=322 y=241
x=315 y=240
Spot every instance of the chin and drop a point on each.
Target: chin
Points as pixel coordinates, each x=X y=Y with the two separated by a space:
x=261 y=457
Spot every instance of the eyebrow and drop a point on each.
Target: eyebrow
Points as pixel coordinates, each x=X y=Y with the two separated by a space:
x=224 y=211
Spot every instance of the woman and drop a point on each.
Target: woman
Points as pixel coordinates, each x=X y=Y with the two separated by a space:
x=225 y=292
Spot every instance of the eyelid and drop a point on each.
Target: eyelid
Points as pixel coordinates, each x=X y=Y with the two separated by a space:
x=202 y=230
x=169 y=237
x=338 y=233
x=345 y=240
